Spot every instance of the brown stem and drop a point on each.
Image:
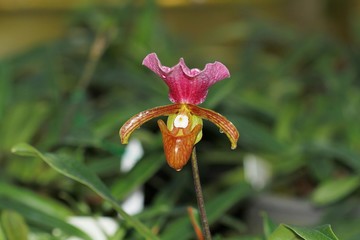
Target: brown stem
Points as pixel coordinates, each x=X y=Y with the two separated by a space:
x=199 y=196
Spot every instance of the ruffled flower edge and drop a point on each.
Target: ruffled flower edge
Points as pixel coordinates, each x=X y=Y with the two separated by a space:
x=187 y=85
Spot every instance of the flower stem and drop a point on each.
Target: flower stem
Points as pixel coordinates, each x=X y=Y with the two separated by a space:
x=199 y=196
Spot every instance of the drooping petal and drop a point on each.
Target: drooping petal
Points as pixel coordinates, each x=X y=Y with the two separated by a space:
x=225 y=125
x=187 y=85
x=178 y=148
x=144 y=116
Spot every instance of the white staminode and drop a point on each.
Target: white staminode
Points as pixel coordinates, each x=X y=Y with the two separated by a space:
x=181 y=121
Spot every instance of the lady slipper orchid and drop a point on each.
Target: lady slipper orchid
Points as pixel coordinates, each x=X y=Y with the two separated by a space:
x=187 y=89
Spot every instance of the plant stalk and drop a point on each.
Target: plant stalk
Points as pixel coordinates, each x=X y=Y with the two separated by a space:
x=199 y=196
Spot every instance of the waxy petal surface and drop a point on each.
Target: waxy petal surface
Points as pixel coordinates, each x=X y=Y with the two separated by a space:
x=219 y=120
x=187 y=85
x=139 y=119
x=178 y=148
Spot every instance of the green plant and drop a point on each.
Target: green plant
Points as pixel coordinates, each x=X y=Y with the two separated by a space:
x=294 y=98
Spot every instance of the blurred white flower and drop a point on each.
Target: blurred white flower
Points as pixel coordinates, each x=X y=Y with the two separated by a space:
x=257 y=171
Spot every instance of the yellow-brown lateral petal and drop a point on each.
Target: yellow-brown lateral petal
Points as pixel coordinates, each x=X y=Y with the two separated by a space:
x=219 y=120
x=139 y=119
x=178 y=148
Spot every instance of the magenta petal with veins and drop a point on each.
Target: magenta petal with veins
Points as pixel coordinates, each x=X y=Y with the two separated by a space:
x=187 y=85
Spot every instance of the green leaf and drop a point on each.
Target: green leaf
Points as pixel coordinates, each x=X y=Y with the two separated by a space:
x=215 y=207
x=256 y=136
x=42 y=219
x=286 y=232
x=219 y=93
x=269 y=226
x=283 y=233
x=343 y=154
x=5 y=87
x=40 y=203
x=142 y=171
x=179 y=227
x=319 y=233
x=79 y=172
x=14 y=225
x=2 y=234
x=335 y=189
x=21 y=123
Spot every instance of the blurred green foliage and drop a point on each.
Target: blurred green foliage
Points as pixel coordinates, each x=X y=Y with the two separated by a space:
x=294 y=98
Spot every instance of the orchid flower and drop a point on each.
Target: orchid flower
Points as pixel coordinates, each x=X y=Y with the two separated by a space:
x=187 y=89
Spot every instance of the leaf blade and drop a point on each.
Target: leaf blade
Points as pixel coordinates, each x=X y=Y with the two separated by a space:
x=14 y=225
x=319 y=233
x=325 y=193
x=79 y=172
